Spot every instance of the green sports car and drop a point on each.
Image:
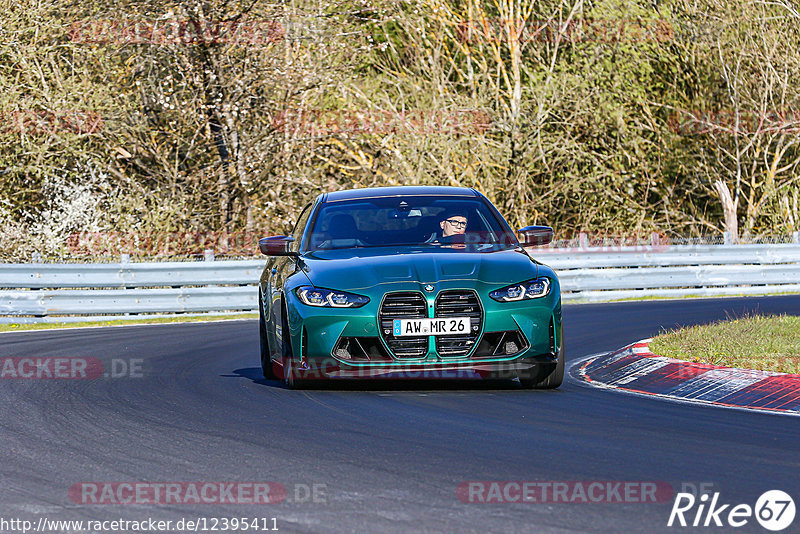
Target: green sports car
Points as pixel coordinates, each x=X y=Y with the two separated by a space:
x=408 y=282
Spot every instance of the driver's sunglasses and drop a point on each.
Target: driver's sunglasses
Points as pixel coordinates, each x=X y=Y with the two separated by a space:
x=457 y=224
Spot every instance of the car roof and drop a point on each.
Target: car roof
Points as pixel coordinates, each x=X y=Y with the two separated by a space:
x=399 y=191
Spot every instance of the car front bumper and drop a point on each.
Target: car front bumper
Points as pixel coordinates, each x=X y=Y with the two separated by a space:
x=317 y=335
x=330 y=368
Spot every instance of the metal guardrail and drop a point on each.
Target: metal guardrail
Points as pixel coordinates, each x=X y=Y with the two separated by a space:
x=52 y=292
x=129 y=275
x=44 y=292
x=611 y=273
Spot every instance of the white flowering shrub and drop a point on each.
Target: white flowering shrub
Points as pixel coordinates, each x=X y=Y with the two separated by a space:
x=15 y=241
x=75 y=201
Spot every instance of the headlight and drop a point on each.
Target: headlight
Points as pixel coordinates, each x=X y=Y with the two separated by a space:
x=532 y=289
x=327 y=298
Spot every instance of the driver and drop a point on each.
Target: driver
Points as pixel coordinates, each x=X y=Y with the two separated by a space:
x=453 y=226
x=454 y=223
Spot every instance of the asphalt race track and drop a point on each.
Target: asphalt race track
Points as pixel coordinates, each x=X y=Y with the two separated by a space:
x=386 y=457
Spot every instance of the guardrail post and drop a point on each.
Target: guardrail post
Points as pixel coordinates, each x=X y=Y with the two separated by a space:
x=796 y=238
x=726 y=236
x=36 y=257
x=655 y=239
x=208 y=254
x=124 y=258
x=583 y=241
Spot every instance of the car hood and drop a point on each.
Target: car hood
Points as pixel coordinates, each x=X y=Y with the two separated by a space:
x=355 y=269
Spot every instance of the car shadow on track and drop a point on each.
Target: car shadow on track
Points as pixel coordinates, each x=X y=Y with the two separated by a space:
x=348 y=384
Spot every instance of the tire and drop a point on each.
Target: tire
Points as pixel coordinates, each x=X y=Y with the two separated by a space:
x=266 y=357
x=545 y=376
x=289 y=377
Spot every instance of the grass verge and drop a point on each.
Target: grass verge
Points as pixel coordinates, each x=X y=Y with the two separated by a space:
x=766 y=343
x=12 y=327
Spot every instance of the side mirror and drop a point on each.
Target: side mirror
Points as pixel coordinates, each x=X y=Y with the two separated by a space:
x=277 y=245
x=536 y=235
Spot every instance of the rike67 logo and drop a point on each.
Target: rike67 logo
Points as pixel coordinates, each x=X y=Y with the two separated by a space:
x=774 y=510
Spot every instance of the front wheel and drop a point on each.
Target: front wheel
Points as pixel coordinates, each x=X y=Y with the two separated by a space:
x=289 y=371
x=266 y=359
x=545 y=376
x=290 y=375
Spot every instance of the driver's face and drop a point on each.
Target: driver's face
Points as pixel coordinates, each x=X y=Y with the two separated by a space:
x=456 y=224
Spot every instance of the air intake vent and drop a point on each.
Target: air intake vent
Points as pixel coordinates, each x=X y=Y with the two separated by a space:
x=407 y=305
x=500 y=345
x=361 y=349
x=459 y=304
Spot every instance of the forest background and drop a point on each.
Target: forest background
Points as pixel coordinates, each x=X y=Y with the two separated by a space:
x=167 y=128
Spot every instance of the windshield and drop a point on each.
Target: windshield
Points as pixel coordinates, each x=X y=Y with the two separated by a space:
x=451 y=222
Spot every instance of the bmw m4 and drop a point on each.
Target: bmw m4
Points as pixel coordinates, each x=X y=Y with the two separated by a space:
x=412 y=281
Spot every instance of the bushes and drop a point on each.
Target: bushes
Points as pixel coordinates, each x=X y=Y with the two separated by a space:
x=610 y=117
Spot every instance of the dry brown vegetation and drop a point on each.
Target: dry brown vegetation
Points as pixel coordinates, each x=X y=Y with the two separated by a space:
x=225 y=116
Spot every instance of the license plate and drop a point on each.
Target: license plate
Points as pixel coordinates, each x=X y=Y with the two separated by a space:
x=432 y=327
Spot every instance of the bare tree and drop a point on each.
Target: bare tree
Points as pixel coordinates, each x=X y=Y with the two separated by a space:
x=752 y=143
